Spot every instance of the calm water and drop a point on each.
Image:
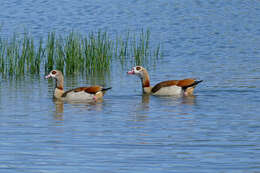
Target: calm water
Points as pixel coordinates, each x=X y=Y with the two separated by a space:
x=218 y=130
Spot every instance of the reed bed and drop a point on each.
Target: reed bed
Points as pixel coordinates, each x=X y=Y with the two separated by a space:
x=136 y=49
x=74 y=53
x=20 y=56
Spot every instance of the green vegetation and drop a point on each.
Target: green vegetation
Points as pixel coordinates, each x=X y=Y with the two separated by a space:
x=136 y=50
x=74 y=53
x=19 y=56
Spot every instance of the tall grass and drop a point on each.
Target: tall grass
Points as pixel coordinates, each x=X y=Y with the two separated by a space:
x=74 y=53
x=19 y=56
x=136 y=49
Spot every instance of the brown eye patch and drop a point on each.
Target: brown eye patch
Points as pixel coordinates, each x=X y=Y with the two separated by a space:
x=138 y=68
x=53 y=72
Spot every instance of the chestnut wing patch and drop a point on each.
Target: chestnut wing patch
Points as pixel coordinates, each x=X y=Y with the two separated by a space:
x=180 y=83
x=160 y=85
x=186 y=82
x=90 y=90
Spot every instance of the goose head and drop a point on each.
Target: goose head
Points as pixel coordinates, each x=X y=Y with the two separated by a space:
x=138 y=71
x=56 y=74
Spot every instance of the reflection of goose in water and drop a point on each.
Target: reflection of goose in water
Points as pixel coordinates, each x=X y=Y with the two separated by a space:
x=190 y=100
x=171 y=87
x=81 y=93
x=59 y=109
x=176 y=100
x=145 y=99
x=84 y=105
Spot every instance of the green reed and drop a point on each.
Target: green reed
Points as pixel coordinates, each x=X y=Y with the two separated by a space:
x=19 y=56
x=98 y=52
x=136 y=50
x=74 y=53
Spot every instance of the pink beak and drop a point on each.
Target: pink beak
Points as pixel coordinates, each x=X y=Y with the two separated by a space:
x=48 y=76
x=131 y=72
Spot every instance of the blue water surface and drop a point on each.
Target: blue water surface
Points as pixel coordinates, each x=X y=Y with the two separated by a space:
x=217 y=130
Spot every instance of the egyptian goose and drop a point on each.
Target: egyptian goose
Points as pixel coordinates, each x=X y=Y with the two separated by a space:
x=81 y=93
x=171 y=87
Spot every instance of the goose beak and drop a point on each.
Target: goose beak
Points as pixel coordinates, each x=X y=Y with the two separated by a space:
x=48 y=76
x=131 y=72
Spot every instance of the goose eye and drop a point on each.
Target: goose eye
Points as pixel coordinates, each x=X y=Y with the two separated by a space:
x=53 y=72
x=138 y=68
